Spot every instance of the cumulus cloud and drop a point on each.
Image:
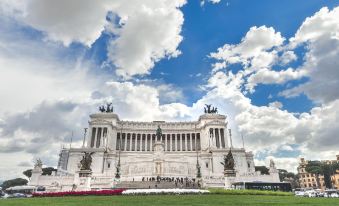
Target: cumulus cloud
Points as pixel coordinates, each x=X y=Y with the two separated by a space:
x=252 y=52
x=25 y=164
x=38 y=128
x=288 y=163
x=287 y=57
x=262 y=125
x=65 y=21
x=202 y=2
x=319 y=33
x=142 y=41
x=276 y=104
x=266 y=76
x=137 y=40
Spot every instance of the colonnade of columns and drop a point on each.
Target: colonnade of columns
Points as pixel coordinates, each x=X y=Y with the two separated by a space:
x=218 y=137
x=98 y=136
x=172 y=142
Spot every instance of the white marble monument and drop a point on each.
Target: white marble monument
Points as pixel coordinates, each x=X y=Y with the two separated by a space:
x=143 y=153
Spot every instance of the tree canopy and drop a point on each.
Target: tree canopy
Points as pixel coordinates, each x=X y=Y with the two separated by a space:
x=13 y=182
x=45 y=171
x=263 y=170
x=322 y=168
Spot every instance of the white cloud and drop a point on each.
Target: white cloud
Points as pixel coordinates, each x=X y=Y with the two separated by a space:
x=276 y=104
x=287 y=57
x=319 y=33
x=288 y=163
x=252 y=49
x=66 y=21
x=138 y=41
x=323 y=23
x=266 y=76
x=68 y=92
x=202 y=2
x=141 y=40
x=270 y=128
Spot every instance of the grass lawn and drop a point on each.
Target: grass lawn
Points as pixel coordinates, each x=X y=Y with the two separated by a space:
x=203 y=200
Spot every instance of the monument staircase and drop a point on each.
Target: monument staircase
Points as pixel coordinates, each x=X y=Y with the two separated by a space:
x=154 y=185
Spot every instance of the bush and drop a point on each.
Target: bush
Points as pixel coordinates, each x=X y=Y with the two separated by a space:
x=249 y=192
x=163 y=191
x=78 y=193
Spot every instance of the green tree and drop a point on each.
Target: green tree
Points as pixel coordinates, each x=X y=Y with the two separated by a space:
x=48 y=170
x=13 y=182
x=286 y=176
x=315 y=167
x=45 y=171
x=28 y=173
x=322 y=168
x=263 y=170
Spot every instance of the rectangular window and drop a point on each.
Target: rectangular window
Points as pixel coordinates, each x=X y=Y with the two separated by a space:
x=93 y=136
x=98 y=137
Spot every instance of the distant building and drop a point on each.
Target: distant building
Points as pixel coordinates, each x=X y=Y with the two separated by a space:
x=308 y=180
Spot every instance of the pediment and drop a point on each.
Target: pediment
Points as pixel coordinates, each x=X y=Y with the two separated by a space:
x=100 y=121
x=215 y=122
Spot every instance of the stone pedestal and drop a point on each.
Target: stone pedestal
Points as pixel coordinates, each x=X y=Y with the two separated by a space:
x=82 y=180
x=229 y=178
x=85 y=173
x=158 y=155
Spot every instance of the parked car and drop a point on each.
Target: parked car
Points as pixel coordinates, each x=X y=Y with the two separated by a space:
x=331 y=193
x=4 y=195
x=18 y=195
x=299 y=192
x=310 y=193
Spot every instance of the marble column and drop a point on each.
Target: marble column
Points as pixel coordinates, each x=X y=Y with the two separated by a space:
x=125 y=139
x=95 y=137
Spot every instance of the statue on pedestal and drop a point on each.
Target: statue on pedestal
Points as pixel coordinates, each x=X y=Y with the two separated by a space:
x=38 y=164
x=159 y=133
x=229 y=171
x=208 y=109
x=86 y=161
x=107 y=109
x=228 y=161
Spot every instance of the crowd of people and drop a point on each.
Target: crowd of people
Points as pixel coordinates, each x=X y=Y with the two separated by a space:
x=178 y=181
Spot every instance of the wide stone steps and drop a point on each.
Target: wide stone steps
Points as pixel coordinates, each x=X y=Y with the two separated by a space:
x=153 y=185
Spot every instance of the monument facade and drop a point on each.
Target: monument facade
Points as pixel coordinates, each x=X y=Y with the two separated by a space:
x=125 y=151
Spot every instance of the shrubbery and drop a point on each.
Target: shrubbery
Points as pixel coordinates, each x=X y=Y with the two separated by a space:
x=249 y=192
x=163 y=191
x=78 y=193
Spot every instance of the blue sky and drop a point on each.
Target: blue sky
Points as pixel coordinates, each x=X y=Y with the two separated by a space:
x=207 y=27
x=270 y=66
